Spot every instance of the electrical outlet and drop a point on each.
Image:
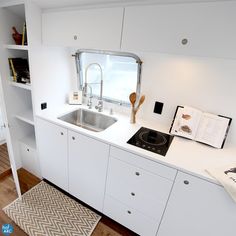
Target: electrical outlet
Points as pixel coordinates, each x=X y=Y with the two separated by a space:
x=43 y=105
x=158 y=107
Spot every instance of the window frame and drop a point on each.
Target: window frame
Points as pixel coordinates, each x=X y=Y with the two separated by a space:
x=80 y=79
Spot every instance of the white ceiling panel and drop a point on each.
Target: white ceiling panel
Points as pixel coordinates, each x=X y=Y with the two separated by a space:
x=47 y=4
x=86 y=3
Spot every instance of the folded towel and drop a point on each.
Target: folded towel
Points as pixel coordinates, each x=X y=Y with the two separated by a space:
x=226 y=175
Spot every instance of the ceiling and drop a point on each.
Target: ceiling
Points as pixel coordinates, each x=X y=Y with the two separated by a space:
x=86 y=3
x=46 y=4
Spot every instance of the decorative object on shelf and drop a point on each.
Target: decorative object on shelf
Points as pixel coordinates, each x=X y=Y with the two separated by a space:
x=133 y=98
x=16 y=36
x=24 y=35
x=19 y=69
x=12 y=69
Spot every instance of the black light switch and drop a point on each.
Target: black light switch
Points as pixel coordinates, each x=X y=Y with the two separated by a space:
x=158 y=107
x=43 y=106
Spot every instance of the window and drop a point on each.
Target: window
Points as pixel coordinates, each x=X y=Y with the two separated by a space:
x=121 y=74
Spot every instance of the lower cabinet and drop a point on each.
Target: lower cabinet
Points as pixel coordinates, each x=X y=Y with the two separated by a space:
x=136 y=191
x=52 y=146
x=143 y=195
x=29 y=158
x=197 y=207
x=88 y=160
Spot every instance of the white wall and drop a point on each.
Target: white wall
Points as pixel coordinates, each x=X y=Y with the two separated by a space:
x=205 y=83
x=52 y=76
x=2 y=130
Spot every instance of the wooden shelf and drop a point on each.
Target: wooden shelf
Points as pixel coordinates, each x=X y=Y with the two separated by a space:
x=26 y=116
x=29 y=141
x=17 y=47
x=20 y=85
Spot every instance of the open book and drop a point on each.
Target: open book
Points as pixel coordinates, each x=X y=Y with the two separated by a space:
x=226 y=175
x=200 y=126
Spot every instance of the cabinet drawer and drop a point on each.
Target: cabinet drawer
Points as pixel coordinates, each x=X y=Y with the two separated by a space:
x=143 y=163
x=138 y=188
x=29 y=158
x=129 y=217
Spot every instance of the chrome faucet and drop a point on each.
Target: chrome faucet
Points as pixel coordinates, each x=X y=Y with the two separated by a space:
x=89 y=104
x=99 y=107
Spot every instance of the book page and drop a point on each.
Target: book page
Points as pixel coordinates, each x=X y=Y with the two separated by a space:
x=186 y=122
x=212 y=130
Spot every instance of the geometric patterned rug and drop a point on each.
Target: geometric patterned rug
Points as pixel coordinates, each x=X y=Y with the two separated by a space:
x=45 y=211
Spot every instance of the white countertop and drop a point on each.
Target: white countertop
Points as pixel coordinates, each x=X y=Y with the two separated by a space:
x=183 y=154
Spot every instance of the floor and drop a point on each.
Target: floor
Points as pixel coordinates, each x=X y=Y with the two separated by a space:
x=106 y=226
x=5 y=168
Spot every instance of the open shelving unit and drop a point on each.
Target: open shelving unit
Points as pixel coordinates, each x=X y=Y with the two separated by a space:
x=20 y=85
x=16 y=47
x=17 y=96
x=29 y=141
x=26 y=116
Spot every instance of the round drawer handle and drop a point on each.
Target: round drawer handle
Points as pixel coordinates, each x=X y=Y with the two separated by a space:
x=62 y=133
x=73 y=138
x=133 y=194
x=137 y=173
x=184 y=41
x=129 y=212
x=27 y=149
x=186 y=182
x=75 y=37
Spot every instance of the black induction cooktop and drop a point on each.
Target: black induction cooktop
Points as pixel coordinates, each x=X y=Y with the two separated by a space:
x=152 y=140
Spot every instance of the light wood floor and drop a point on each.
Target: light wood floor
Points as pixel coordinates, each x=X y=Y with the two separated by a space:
x=106 y=226
x=5 y=168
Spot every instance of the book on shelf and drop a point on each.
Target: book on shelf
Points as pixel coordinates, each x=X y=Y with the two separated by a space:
x=200 y=126
x=19 y=70
x=24 y=35
x=12 y=69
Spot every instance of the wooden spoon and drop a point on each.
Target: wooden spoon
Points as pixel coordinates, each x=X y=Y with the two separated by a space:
x=132 y=98
x=141 y=100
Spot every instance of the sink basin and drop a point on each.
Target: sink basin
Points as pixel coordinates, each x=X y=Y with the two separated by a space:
x=88 y=120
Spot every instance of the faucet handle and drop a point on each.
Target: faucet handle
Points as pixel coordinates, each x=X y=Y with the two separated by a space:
x=111 y=112
x=99 y=107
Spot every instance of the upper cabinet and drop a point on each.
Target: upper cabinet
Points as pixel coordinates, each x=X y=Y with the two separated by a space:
x=91 y=28
x=208 y=28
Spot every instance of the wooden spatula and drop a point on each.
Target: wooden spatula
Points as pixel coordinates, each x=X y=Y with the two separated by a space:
x=141 y=100
x=132 y=98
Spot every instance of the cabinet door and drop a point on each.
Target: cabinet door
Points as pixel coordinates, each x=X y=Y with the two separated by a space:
x=208 y=27
x=88 y=160
x=197 y=207
x=29 y=158
x=52 y=146
x=93 y=28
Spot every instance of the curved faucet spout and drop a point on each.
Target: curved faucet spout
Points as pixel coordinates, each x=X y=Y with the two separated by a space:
x=100 y=103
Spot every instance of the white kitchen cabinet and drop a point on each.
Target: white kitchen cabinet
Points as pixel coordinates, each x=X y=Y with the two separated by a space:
x=137 y=191
x=52 y=146
x=198 y=207
x=29 y=158
x=129 y=217
x=208 y=27
x=90 y=28
x=88 y=160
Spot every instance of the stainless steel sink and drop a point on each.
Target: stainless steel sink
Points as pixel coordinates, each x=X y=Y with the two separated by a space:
x=88 y=120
